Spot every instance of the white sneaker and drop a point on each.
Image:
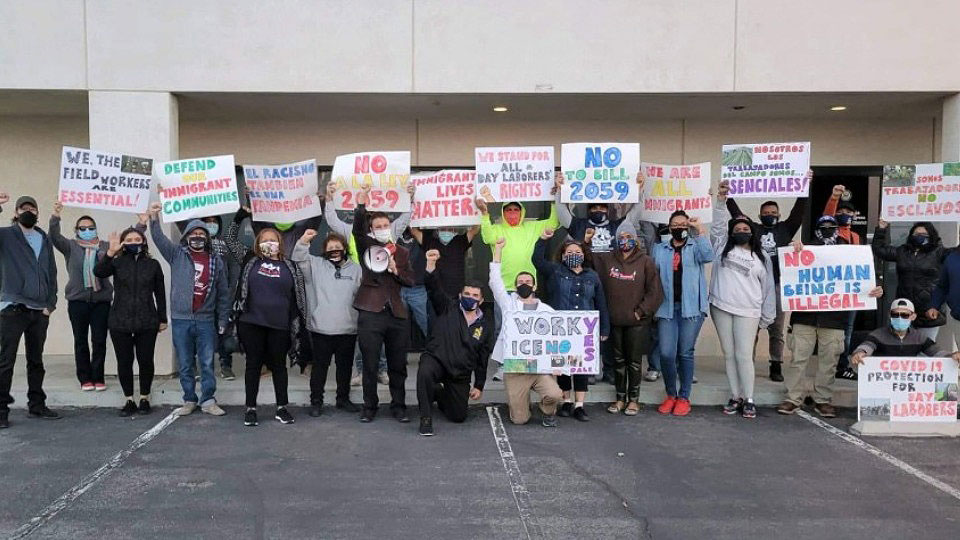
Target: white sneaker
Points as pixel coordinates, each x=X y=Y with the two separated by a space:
x=498 y=376
x=187 y=408
x=383 y=378
x=357 y=380
x=214 y=410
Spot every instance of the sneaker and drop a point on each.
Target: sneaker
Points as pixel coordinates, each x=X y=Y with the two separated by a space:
x=43 y=412
x=129 y=409
x=400 y=415
x=787 y=407
x=426 y=426
x=733 y=406
x=100 y=387
x=227 y=374
x=498 y=376
x=652 y=375
x=667 y=406
x=213 y=410
x=367 y=416
x=144 y=407
x=87 y=387
x=316 y=410
x=347 y=405
x=250 y=418
x=565 y=409
x=284 y=416
x=4 y=419
x=549 y=420
x=187 y=408
x=749 y=410
x=682 y=408
x=357 y=380
x=383 y=378
x=580 y=414
x=825 y=410
x=847 y=374
x=695 y=380
x=776 y=374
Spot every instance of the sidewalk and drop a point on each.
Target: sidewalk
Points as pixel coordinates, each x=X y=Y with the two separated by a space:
x=63 y=390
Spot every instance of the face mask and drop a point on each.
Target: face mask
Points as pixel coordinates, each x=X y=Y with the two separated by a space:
x=769 y=221
x=269 y=248
x=900 y=325
x=827 y=232
x=197 y=243
x=27 y=219
x=627 y=244
x=573 y=260
x=334 y=255
x=843 y=219
x=132 y=249
x=468 y=304
x=741 y=238
x=512 y=217
x=87 y=235
x=212 y=228
x=919 y=239
x=283 y=226
x=446 y=236
x=524 y=290
x=382 y=235
x=678 y=234
x=598 y=217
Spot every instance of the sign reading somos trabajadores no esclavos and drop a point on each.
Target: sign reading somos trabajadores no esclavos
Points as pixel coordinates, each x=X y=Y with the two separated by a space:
x=194 y=188
x=104 y=180
x=827 y=278
x=282 y=193
x=566 y=342
x=901 y=389
x=923 y=192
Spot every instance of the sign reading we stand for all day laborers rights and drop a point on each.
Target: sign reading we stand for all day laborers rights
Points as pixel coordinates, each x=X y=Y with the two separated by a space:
x=194 y=188
x=515 y=173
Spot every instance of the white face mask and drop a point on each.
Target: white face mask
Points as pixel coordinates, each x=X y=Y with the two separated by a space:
x=269 y=248
x=382 y=235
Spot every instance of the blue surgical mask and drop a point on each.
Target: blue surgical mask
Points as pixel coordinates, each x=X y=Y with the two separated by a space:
x=446 y=236
x=212 y=228
x=899 y=325
x=87 y=235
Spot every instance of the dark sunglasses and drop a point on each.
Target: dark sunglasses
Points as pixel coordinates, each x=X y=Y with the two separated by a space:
x=900 y=315
x=81 y=228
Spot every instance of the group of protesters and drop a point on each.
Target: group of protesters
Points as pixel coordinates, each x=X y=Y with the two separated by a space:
x=294 y=296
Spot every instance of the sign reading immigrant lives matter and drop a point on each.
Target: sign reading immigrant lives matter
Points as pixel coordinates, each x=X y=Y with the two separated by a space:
x=904 y=389
x=566 y=342
x=194 y=188
x=282 y=193
x=600 y=172
x=444 y=199
x=387 y=172
x=518 y=173
x=827 y=278
x=924 y=192
x=767 y=169
x=104 y=180
x=676 y=187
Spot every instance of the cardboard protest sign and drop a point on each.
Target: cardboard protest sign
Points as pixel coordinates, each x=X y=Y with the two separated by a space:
x=518 y=173
x=766 y=170
x=600 y=172
x=195 y=188
x=552 y=342
x=901 y=389
x=387 y=172
x=924 y=192
x=827 y=278
x=104 y=180
x=444 y=199
x=283 y=193
x=676 y=187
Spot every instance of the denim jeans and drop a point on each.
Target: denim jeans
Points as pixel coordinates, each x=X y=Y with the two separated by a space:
x=653 y=359
x=416 y=300
x=678 y=336
x=195 y=342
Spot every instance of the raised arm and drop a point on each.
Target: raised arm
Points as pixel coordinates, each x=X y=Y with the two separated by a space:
x=488 y=231
x=795 y=220
x=104 y=267
x=539 y=254
x=500 y=294
x=881 y=243
x=564 y=215
x=58 y=240
x=403 y=220
x=718 y=228
x=830 y=208
x=702 y=250
x=438 y=298
x=167 y=248
x=336 y=224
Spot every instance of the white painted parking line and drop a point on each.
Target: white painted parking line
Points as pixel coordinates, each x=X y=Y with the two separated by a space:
x=63 y=501
x=520 y=494
x=896 y=462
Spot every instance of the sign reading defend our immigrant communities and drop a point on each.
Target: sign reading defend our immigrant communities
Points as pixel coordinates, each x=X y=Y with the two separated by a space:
x=676 y=187
x=444 y=199
x=923 y=192
x=899 y=389
x=194 y=188
x=827 y=278
x=104 y=180
x=387 y=173
x=518 y=173
x=282 y=193
x=766 y=170
x=565 y=342
x=600 y=172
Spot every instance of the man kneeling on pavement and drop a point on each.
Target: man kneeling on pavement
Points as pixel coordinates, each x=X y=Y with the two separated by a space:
x=460 y=343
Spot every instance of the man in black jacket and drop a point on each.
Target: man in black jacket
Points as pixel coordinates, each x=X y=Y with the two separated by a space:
x=461 y=340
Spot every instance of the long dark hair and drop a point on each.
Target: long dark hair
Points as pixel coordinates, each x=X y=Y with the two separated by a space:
x=754 y=244
x=587 y=254
x=931 y=231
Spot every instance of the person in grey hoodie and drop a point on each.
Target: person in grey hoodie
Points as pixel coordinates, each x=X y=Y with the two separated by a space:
x=28 y=295
x=199 y=307
x=332 y=281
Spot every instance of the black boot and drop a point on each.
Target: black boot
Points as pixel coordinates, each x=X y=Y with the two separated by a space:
x=775 y=374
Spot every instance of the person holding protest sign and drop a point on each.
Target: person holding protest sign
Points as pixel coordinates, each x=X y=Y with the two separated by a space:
x=573 y=286
x=742 y=298
x=199 y=308
x=899 y=338
x=332 y=281
x=681 y=263
x=918 y=262
x=518 y=385
x=383 y=318
x=521 y=236
x=269 y=312
x=820 y=330
x=28 y=295
x=633 y=293
x=453 y=245
x=844 y=212
x=774 y=234
x=234 y=259
x=460 y=343
x=138 y=313
x=598 y=218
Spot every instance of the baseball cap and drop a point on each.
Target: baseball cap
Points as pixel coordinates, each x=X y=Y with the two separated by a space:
x=902 y=303
x=26 y=199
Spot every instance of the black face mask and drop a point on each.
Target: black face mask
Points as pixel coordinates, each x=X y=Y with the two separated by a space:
x=598 y=217
x=524 y=290
x=741 y=238
x=769 y=221
x=27 y=219
x=827 y=232
x=679 y=234
x=133 y=249
x=334 y=255
x=197 y=243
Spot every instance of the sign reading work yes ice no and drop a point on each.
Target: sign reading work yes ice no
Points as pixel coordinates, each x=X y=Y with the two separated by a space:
x=600 y=172
x=551 y=342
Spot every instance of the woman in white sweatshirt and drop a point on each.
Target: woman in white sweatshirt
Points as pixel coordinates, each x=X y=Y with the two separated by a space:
x=741 y=299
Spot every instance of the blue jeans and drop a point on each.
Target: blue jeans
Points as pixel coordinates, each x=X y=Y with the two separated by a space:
x=416 y=300
x=195 y=341
x=653 y=360
x=678 y=336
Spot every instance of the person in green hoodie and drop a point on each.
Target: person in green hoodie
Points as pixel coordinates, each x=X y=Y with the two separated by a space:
x=521 y=236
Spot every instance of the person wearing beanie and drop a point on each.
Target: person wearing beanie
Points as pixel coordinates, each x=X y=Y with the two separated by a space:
x=599 y=219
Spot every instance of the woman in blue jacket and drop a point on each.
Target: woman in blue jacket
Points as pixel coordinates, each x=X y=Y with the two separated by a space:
x=572 y=286
x=681 y=262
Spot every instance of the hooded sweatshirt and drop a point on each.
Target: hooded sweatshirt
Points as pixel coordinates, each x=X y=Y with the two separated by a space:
x=521 y=239
x=741 y=283
x=329 y=298
x=631 y=284
x=507 y=302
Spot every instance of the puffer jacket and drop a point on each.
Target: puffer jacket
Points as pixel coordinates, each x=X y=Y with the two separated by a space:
x=918 y=270
x=140 y=302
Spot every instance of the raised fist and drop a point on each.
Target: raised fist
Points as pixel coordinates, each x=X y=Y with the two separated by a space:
x=546 y=234
x=308 y=236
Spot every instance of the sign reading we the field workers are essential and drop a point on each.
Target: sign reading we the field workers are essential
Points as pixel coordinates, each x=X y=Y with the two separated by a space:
x=600 y=172
x=827 y=278
x=517 y=173
x=104 y=180
x=444 y=199
x=669 y=188
x=386 y=172
x=923 y=192
x=766 y=169
x=195 y=188
x=904 y=389
x=282 y=193
x=564 y=342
